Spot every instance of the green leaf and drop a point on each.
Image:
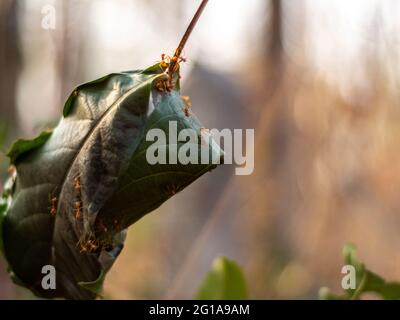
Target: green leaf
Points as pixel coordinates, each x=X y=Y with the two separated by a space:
x=391 y=291
x=349 y=253
x=224 y=281
x=95 y=286
x=92 y=173
x=374 y=282
x=366 y=281
x=22 y=146
x=155 y=68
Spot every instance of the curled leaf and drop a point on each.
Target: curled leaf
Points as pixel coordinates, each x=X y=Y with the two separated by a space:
x=23 y=146
x=78 y=190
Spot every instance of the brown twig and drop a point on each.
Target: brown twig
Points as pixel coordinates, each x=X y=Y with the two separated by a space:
x=179 y=49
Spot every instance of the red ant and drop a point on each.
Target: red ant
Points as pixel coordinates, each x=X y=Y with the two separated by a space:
x=188 y=105
x=88 y=246
x=171 y=190
x=165 y=84
x=77 y=184
x=167 y=60
x=53 y=210
x=78 y=203
x=78 y=209
x=101 y=228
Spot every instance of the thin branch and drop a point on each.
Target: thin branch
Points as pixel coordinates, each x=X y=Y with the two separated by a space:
x=185 y=37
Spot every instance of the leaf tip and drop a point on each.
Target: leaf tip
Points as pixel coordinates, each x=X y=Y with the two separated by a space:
x=95 y=286
x=23 y=146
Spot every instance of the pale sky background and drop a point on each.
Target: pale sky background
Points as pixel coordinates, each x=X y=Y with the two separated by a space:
x=334 y=28
x=126 y=35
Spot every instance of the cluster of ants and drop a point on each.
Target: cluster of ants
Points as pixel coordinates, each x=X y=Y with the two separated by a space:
x=77 y=204
x=87 y=244
x=166 y=84
x=90 y=244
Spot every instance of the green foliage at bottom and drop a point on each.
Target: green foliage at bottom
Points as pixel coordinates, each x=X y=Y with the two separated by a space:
x=225 y=281
x=366 y=281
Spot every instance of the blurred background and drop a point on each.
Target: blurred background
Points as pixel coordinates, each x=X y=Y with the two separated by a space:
x=318 y=80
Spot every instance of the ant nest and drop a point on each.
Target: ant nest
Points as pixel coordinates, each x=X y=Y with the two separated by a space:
x=88 y=245
x=166 y=84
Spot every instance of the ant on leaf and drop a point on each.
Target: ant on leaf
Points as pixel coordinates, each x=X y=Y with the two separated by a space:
x=53 y=209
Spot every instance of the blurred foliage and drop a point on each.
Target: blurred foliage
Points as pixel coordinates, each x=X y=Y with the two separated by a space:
x=366 y=281
x=224 y=281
